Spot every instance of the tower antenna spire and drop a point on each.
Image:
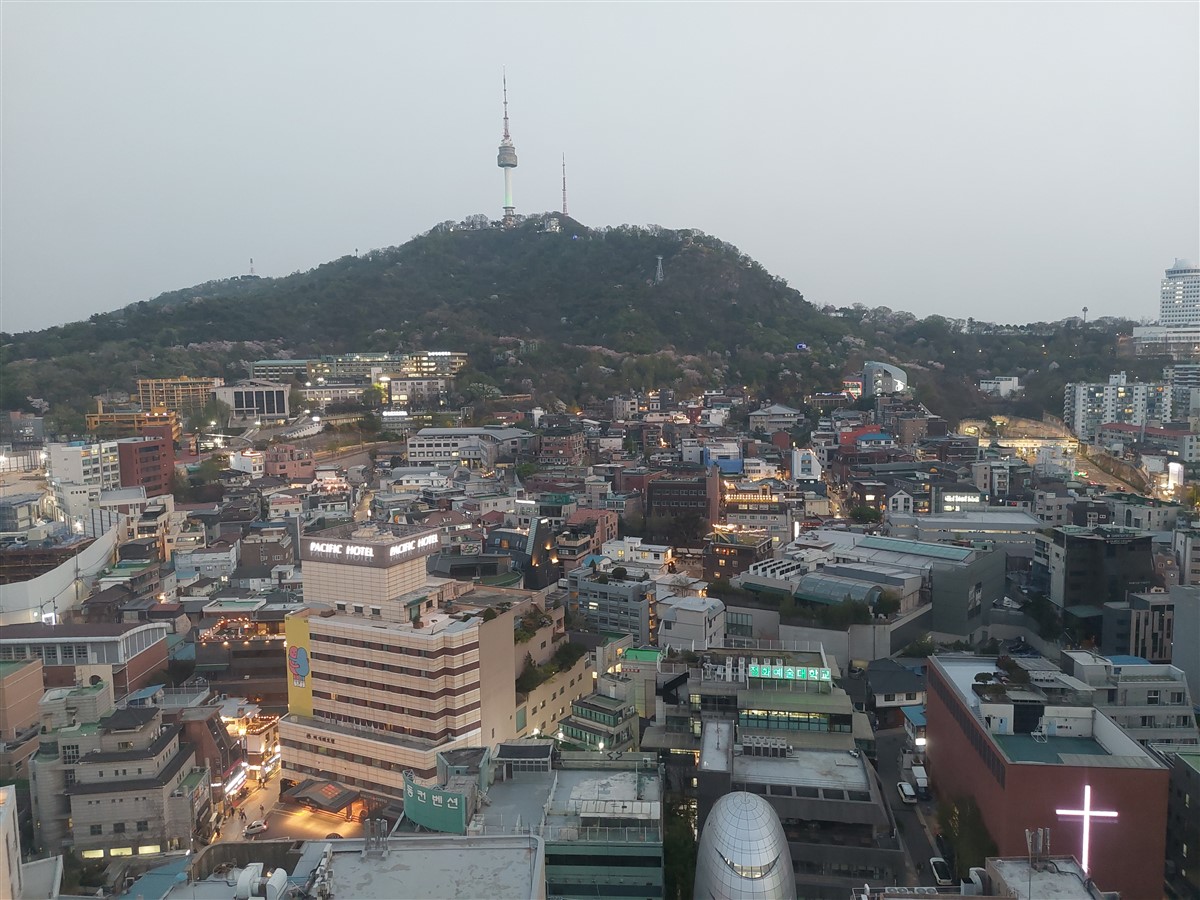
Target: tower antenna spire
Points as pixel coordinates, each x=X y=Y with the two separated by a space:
x=564 y=184
x=506 y=159
x=504 y=79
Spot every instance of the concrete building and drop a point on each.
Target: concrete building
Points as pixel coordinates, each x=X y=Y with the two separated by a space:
x=20 y=691
x=610 y=603
x=881 y=378
x=728 y=553
x=1001 y=386
x=107 y=425
x=147 y=462
x=280 y=370
x=1079 y=566
x=389 y=667
x=182 y=394
x=125 y=655
x=1179 y=302
x=252 y=462
x=1183 y=825
x=1003 y=477
x=289 y=462
x=79 y=463
x=604 y=720
x=680 y=494
x=768 y=691
x=833 y=811
x=251 y=401
x=1010 y=530
x=1029 y=757
x=479 y=448
x=38 y=880
x=1087 y=406
x=1146 y=513
x=1141 y=625
x=775 y=417
x=1150 y=702
x=690 y=623
x=601 y=819
x=112 y=782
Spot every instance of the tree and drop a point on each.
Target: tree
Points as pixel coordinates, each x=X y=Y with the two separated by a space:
x=865 y=515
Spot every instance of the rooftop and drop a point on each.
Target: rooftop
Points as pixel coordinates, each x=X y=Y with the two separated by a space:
x=810 y=768
x=1063 y=880
x=452 y=867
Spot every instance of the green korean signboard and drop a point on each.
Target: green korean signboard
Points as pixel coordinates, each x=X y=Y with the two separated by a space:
x=790 y=673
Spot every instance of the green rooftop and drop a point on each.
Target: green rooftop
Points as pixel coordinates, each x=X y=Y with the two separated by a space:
x=642 y=654
x=1023 y=748
x=7 y=668
x=1190 y=759
x=193 y=780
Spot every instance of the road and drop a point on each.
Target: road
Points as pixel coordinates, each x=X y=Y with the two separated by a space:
x=917 y=822
x=284 y=820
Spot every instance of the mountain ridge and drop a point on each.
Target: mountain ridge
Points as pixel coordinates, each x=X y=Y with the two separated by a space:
x=573 y=310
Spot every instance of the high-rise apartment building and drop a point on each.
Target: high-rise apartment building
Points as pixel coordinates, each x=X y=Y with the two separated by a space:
x=1088 y=406
x=400 y=666
x=1180 y=299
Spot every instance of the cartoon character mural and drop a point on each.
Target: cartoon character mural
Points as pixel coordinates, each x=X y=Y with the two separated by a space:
x=298 y=665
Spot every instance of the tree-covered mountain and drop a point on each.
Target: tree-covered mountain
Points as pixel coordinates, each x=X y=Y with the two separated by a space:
x=573 y=313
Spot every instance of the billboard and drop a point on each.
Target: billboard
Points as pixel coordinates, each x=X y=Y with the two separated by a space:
x=381 y=552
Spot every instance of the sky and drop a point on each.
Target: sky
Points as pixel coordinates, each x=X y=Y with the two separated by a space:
x=1013 y=162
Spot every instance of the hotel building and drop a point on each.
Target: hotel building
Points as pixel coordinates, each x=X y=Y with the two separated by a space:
x=389 y=667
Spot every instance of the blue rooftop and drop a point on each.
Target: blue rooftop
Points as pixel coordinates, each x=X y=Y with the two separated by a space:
x=1121 y=660
x=915 y=715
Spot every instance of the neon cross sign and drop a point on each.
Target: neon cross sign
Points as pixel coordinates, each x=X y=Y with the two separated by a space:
x=1087 y=814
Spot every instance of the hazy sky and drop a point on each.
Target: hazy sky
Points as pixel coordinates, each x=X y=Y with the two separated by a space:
x=1010 y=161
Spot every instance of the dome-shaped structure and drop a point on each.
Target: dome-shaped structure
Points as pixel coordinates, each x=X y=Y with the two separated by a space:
x=743 y=853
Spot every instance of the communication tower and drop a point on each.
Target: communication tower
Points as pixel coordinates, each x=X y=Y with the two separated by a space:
x=506 y=159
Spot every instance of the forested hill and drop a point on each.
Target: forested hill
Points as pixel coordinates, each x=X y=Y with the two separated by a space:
x=481 y=290
x=574 y=313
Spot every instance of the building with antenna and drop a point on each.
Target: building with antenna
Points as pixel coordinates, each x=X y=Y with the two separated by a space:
x=506 y=159
x=564 y=184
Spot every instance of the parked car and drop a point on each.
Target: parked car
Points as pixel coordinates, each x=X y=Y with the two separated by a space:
x=906 y=791
x=258 y=826
x=942 y=873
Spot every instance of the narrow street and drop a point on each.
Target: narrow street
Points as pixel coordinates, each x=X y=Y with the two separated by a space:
x=917 y=823
x=284 y=820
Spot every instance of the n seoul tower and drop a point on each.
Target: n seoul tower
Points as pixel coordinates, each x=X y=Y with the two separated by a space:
x=507 y=160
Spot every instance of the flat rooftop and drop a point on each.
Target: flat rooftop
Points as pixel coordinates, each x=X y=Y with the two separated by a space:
x=505 y=867
x=1024 y=748
x=557 y=799
x=1111 y=748
x=808 y=768
x=1062 y=881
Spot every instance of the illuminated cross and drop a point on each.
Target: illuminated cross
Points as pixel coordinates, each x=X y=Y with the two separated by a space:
x=1087 y=814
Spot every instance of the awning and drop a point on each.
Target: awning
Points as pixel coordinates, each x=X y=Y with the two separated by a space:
x=328 y=796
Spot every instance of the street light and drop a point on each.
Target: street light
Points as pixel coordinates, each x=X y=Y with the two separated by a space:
x=602 y=746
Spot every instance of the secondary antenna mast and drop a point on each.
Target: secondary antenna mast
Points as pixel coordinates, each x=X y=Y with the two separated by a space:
x=564 y=184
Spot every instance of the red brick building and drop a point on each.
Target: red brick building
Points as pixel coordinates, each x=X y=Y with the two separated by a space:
x=1026 y=751
x=147 y=462
x=290 y=462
